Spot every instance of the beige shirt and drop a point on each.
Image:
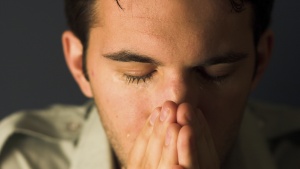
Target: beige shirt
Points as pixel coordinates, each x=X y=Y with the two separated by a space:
x=72 y=137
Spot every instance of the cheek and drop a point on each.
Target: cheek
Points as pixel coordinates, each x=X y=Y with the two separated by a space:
x=120 y=105
x=224 y=108
x=224 y=111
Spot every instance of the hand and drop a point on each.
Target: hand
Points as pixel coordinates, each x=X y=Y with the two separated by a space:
x=195 y=145
x=156 y=145
x=174 y=137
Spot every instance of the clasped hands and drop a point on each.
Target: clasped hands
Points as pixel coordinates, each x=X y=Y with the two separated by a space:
x=174 y=137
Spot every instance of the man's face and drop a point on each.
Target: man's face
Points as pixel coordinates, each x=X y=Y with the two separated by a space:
x=199 y=52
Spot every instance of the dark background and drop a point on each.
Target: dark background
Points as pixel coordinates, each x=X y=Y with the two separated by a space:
x=33 y=72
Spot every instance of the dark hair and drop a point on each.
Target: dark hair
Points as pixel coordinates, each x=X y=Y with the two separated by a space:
x=81 y=16
x=262 y=14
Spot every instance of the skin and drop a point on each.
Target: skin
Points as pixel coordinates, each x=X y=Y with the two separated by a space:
x=182 y=37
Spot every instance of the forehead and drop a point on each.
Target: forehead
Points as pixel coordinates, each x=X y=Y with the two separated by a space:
x=184 y=22
x=164 y=11
x=154 y=16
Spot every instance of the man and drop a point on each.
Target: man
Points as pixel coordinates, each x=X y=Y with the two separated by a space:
x=170 y=82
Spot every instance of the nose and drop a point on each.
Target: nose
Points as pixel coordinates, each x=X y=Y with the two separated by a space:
x=178 y=88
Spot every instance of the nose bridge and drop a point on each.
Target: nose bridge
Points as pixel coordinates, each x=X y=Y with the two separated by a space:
x=177 y=88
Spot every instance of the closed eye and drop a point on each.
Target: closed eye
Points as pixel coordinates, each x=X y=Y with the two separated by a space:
x=137 y=79
x=215 y=73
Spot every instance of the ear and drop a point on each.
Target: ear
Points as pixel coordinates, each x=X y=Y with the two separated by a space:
x=73 y=51
x=264 y=52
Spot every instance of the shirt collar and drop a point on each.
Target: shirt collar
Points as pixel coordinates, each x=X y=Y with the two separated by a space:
x=93 y=148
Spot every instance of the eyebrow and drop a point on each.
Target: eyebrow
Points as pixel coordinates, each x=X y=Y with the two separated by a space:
x=227 y=58
x=128 y=56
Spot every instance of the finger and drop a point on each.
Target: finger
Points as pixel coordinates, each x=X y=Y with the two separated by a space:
x=187 y=148
x=185 y=114
x=169 y=155
x=140 y=145
x=207 y=155
x=157 y=138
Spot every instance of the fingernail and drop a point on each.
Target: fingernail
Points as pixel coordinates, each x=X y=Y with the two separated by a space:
x=164 y=113
x=153 y=117
x=168 y=138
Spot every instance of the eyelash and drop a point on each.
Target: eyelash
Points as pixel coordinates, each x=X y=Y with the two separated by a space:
x=138 y=79
x=216 y=79
x=209 y=78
